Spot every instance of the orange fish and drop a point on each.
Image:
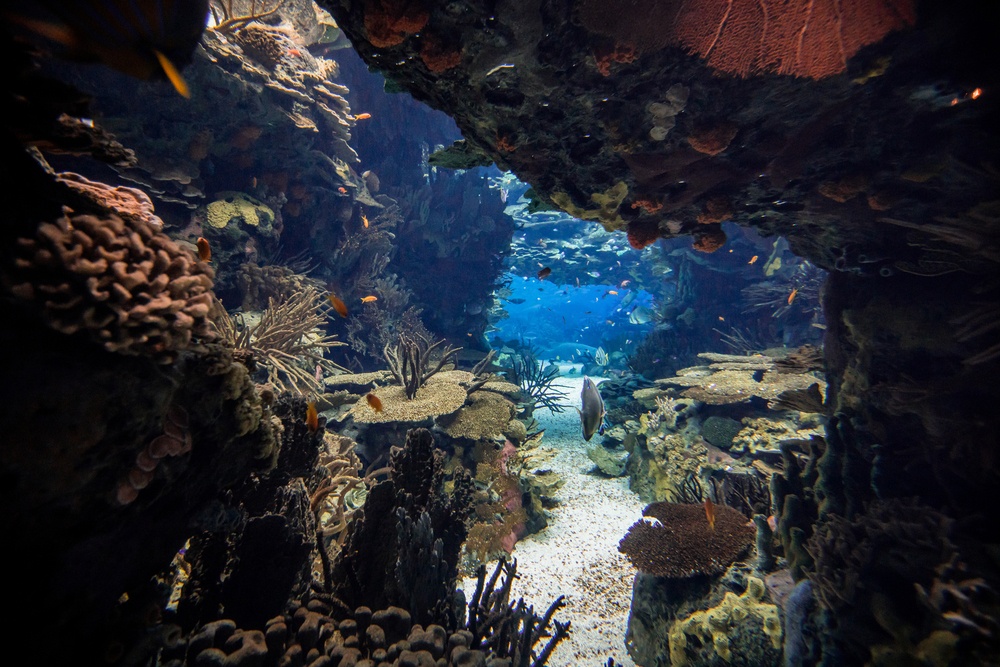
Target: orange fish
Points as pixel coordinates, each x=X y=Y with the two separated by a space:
x=710 y=512
x=295 y=52
x=204 y=250
x=791 y=297
x=312 y=417
x=363 y=116
x=364 y=219
x=544 y=273
x=338 y=305
x=752 y=259
x=368 y=299
x=613 y=292
x=342 y=190
x=625 y=283
x=374 y=402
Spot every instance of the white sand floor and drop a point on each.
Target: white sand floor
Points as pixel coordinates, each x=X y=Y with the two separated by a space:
x=577 y=554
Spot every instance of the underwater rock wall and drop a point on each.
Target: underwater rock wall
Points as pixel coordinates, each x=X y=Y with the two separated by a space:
x=875 y=165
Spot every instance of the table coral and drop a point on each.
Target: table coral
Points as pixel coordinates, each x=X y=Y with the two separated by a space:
x=122 y=282
x=720 y=623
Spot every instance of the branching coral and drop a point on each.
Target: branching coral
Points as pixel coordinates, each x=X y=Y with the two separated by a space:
x=288 y=337
x=410 y=361
x=228 y=21
x=526 y=371
x=676 y=540
x=121 y=281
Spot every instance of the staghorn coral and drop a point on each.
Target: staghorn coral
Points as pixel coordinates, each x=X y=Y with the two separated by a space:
x=259 y=284
x=121 y=281
x=288 y=341
x=721 y=624
x=676 y=540
x=410 y=361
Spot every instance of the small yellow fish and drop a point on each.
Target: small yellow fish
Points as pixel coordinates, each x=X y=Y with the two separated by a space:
x=791 y=297
x=710 y=512
x=364 y=219
x=312 y=417
x=752 y=259
x=368 y=299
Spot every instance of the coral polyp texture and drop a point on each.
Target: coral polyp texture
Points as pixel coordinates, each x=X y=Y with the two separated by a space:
x=675 y=540
x=802 y=38
x=120 y=281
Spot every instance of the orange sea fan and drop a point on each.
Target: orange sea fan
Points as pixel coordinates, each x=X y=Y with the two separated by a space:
x=808 y=38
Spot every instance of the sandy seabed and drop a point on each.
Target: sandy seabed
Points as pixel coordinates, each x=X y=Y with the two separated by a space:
x=577 y=554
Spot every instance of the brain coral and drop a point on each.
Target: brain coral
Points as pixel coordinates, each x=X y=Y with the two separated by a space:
x=125 y=284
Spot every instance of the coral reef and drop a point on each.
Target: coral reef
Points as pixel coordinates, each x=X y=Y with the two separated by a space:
x=410 y=362
x=288 y=341
x=404 y=547
x=735 y=378
x=120 y=281
x=726 y=629
x=677 y=540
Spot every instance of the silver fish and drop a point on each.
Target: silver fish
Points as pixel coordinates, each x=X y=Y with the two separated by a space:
x=641 y=315
x=592 y=414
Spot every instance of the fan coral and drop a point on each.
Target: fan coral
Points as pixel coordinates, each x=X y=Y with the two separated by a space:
x=130 y=287
x=678 y=541
x=800 y=38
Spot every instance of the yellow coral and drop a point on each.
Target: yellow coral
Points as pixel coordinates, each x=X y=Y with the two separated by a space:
x=238 y=205
x=717 y=623
x=607 y=206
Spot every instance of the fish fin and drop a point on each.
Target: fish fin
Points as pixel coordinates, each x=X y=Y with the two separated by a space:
x=173 y=74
